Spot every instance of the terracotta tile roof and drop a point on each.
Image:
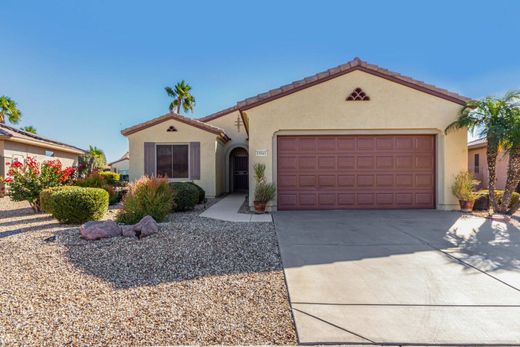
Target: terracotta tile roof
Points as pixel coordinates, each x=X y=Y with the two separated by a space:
x=15 y=134
x=477 y=143
x=218 y=114
x=193 y=122
x=356 y=64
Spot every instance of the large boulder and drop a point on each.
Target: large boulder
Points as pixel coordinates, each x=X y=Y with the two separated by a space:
x=146 y=226
x=94 y=230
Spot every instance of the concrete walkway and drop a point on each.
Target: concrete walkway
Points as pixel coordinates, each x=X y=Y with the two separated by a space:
x=227 y=209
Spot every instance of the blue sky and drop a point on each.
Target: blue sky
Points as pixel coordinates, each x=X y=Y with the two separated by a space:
x=83 y=70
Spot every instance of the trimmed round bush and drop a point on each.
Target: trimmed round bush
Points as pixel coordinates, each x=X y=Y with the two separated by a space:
x=185 y=195
x=110 y=177
x=78 y=205
x=146 y=196
x=45 y=197
x=202 y=193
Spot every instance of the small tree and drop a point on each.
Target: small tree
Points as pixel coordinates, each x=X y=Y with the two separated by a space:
x=491 y=117
x=26 y=180
x=181 y=97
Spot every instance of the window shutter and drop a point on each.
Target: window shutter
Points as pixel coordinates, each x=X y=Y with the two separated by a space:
x=149 y=159
x=194 y=160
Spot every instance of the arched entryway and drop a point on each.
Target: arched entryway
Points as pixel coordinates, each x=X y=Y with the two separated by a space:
x=238 y=170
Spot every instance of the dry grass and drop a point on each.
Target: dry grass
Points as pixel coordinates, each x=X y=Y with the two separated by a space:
x=198 y=281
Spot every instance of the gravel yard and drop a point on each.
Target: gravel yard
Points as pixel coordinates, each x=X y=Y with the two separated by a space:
x=198 y=281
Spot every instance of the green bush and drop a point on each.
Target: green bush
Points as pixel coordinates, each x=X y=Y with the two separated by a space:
x=78 y=205
x=97 y=180
x=482 y=201
x=45 y=197
x=202 y=193
x=147 y=196
x=185 y=195
x=110 y=177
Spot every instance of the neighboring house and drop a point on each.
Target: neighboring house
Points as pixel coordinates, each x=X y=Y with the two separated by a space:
x=477 y=163
x=16 y=144
x=121 y=166
x=355 y=136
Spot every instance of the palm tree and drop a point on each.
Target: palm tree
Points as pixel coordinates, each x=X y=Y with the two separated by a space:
x=96 y=158
x=29 y=129
x=181 y=97
x=490 y=117
x=9 y=110
x=512 y=147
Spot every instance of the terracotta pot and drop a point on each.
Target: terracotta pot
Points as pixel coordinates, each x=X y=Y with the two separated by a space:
x=259 y=206
x=466 y=206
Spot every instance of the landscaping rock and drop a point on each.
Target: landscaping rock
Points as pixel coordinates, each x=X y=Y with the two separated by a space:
x=146 y=226
x=94 y=230
x=128 y=230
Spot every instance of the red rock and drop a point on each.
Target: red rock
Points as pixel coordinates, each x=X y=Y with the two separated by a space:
x=146 y=226
x=94 y=230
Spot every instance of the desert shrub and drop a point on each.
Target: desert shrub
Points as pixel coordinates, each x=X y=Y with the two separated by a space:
x=185 y=195
x=482 y=201
x=264 y=191
x=463 y=186
x=25 y=180
x=202 y=193
x=147 y=196
x=110 y=177
x=97 y=180
x=45 y=197
x=78 y=205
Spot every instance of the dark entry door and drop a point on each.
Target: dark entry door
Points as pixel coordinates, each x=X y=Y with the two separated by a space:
x=240 y=174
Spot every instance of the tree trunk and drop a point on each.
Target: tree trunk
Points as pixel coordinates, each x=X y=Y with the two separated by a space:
x=2 y=118
x=179 y=105
x=513 y=177
x=492 y=152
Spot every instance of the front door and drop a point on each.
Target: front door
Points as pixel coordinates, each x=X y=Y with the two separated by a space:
x=240 y=174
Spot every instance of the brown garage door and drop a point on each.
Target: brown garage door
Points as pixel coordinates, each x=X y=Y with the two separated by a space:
x=356 y=172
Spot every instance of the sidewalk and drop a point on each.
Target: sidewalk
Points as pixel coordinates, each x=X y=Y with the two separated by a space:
x=227 y=209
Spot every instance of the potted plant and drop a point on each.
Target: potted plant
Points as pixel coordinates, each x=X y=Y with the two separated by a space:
x=264 y=192
x=462 y=188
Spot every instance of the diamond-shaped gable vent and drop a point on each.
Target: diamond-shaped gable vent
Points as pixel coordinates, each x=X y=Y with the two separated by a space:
x=358 y=95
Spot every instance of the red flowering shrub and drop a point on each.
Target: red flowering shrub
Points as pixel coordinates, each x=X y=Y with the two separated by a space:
x=26 y=180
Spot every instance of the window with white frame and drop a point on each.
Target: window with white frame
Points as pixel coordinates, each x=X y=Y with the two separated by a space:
x=172 y=160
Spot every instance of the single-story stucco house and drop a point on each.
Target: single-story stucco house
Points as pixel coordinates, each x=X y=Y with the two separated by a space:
x=16 y=144
x=477 y=164
x=121 y=166
x=356 y=136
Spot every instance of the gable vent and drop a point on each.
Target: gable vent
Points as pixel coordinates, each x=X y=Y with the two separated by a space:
x=171 y=129
x=358 y=95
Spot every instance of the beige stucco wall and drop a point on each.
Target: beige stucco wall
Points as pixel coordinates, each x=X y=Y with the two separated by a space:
x=483 y=174
x=14 y=150
x=185 y=133
x=120 y=165
x=392 y=109
x=238 y=137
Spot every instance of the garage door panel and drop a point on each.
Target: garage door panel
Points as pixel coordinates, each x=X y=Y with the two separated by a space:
x=349 y=172
x=328 y=162
x=365 y=162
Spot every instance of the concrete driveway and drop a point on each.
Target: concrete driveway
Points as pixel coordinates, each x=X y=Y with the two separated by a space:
x=401 y=277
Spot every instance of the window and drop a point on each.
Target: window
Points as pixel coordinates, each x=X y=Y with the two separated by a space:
x=172 y=161
x=476 y=163
x=49 y=153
